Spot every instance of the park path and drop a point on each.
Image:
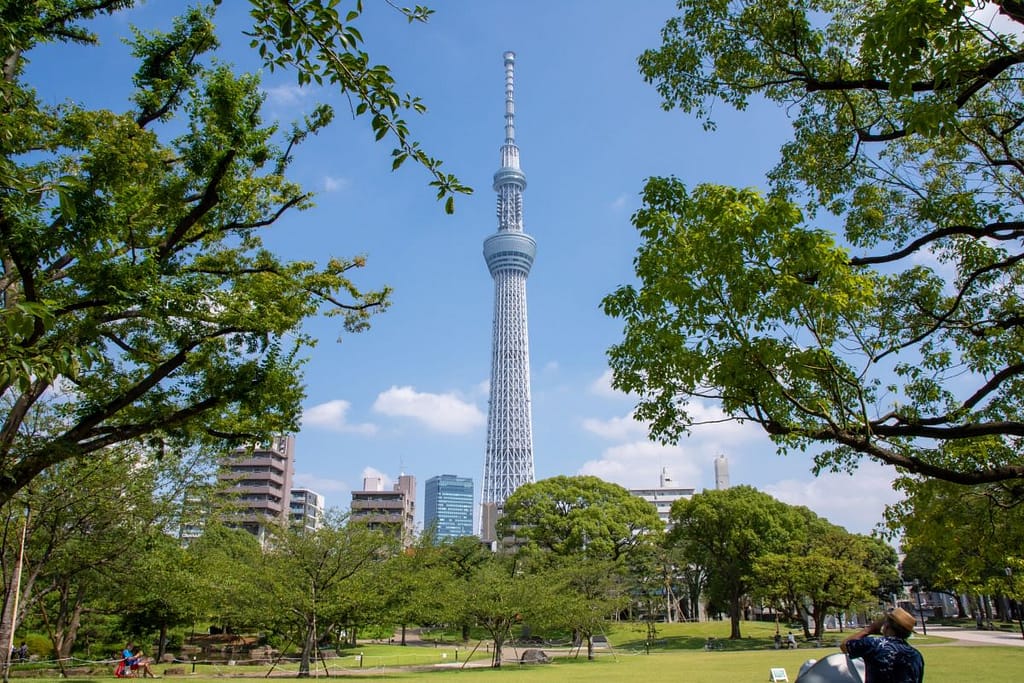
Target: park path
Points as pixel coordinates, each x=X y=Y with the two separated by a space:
x=971 y=637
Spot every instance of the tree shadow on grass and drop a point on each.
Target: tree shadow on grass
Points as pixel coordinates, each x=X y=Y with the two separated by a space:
x=676 y=643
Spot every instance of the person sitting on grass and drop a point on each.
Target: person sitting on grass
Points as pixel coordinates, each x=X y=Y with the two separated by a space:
x=140 y=662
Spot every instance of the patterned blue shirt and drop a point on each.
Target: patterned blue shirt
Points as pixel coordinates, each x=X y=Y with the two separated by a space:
x=887 y=660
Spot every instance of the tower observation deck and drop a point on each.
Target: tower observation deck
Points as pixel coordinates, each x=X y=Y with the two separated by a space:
x=509 y=254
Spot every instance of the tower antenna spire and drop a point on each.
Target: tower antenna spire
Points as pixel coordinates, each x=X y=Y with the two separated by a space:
x=509 y=253
x=510 y=104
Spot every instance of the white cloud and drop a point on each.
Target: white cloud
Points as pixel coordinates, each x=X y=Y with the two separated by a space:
x=445 y=413
x=332 y=184
x=602 y=386
x=550 y=366
x=285 y=95
x=855 y=501
x=713 y=428
x=373 y=473
x=616 y=428
x=320 y=484
x=638 y=465
x=332 y=416
x=619 y=202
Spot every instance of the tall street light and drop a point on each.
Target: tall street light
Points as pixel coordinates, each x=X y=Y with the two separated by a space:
x=920 y=610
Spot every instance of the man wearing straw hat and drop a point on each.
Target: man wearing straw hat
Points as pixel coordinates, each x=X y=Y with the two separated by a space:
x=889 y=659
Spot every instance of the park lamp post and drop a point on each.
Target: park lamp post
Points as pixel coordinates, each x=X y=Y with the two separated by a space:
x=1009 y=581
x=920 y=610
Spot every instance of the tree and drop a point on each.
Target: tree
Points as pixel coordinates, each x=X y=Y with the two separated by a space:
x=228 y=566
x=664 y=587
x=502 y=593
x=309 y=573
x=961 y=539
x=419 y=586
x=896 y=337
x=881 y=560
x=463 y=556
x=93 y=527
x=579 y=515
x=725 y=531
x=827 y=572
x=165 y=591
x=133 y=281
x=588 y=592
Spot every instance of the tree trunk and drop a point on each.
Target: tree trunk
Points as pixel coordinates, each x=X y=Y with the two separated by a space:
x=818 y=622
x=734 y=619
x=496 y=655
x=6 y=630
x=802 y=613
x=975 y=605
x=308 y=644
x=162 y=642
x=9 y=613
x=590 y=648
x=499 y=636
x=68 y=619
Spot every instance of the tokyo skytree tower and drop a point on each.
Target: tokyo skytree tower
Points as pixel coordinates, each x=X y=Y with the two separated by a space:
x=509 y=253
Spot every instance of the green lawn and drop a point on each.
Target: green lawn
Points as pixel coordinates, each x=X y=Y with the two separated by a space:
x=942 y=663
x=677 y=655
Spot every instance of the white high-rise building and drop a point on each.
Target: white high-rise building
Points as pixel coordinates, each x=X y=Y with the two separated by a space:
x=307 y=509
x=663 y=496
x=721 y=472
x=509 y=253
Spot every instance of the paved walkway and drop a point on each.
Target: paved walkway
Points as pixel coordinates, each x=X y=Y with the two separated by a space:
x=972 y=637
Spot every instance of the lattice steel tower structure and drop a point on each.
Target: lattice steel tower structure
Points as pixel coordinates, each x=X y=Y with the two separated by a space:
x=509 y=253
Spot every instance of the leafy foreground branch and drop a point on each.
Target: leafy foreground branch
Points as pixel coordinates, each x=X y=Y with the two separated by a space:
x=870 y=301
x=137 y=301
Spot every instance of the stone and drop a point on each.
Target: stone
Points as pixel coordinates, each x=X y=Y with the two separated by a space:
x=534 y=656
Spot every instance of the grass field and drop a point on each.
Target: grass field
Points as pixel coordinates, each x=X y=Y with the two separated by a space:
x=678 y=655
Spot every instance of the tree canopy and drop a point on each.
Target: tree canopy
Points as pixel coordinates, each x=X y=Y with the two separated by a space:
x=870 y=299
x=962 y=539
x=725 y=531
x=310 y=573
x=137 y=301
x=579 y=515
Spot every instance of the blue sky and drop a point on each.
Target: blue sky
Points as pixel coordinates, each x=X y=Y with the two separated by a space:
x=409 y=395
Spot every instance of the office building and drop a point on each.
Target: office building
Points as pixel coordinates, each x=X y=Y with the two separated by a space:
x=258 y=480
x=391 y=510
x=448 y=506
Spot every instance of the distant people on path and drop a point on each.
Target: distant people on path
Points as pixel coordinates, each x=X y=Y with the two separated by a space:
x=889 y=658
x=790 y=641
x=19 y=653
x=778 y=641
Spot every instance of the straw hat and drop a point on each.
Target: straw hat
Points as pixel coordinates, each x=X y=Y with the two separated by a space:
x=902 y=618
